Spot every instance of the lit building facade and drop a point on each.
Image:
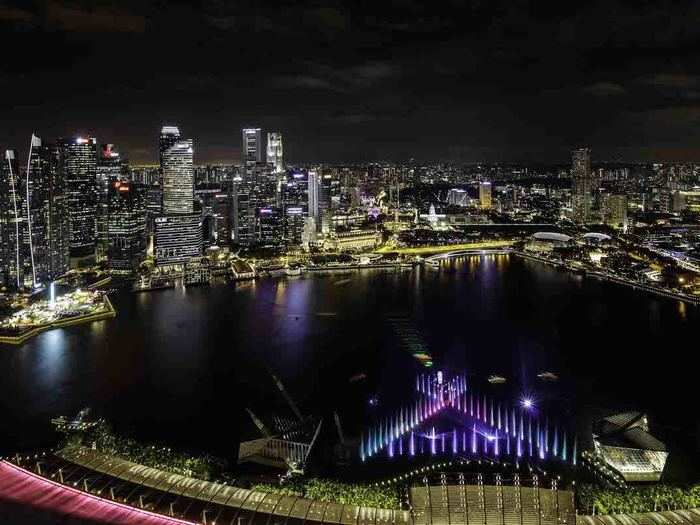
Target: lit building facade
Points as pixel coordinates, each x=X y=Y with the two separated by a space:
x=485 y=202
x=109 y=169
x=275 y=152
x=178 y=178
x=177 y=238
x=79 y=165
x=583 y=187
x=251 y=151
x=126 y=225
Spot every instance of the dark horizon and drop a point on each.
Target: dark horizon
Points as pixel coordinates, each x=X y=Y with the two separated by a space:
x=473 y=82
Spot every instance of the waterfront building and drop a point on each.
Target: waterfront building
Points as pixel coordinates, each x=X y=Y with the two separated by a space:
x=275 y=151
x=79 y=165
x=354 y=240
x=109 y=169
x=178 y=178
x=12 y=222
x=270 y=226
x=325 y=203
x=36 y=211
x=177 y=238
x=126 y=225
x=243 y=222
x=295 y=204
x=485 y=195
x=546 y=242
x=58 y=216
x=314 y=194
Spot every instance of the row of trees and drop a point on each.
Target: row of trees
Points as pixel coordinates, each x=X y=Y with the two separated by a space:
x=337 y=492
x=596 y=500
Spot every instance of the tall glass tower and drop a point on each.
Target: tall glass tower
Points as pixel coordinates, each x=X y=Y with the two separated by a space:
x=275 y=151
x=80 y=169
x=178 y=178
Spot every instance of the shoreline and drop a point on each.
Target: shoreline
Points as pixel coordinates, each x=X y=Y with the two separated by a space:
x=61 y=323
x=613 y=279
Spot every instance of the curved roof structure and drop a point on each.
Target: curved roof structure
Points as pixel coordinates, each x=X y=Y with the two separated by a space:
x=551 y=236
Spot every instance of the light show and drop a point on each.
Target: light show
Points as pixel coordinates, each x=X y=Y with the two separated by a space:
x=448 y=417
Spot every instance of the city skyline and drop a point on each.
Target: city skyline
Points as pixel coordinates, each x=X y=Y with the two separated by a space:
x=472 y=82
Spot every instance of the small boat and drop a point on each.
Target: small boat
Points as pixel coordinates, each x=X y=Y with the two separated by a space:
x=496 y=380
x=358 y=377
x=548 y=376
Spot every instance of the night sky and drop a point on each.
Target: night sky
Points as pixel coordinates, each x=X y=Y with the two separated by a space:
x=366 y=80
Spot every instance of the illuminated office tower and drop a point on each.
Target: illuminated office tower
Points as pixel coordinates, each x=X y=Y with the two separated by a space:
x=241 y=212
x=178 y=238
x=36 y=210
x=325 y=203
x=295 y=205
x=458 y=197
x=12 y=222
x=58 y=229
x=485 y=195
x=270 y=224
x=582 y=186
x=109 y=169
x=169 y=135
x=275 y=152
x=178 y=178
x=314 y=184
x=251 y=151
x=615 y=210
x=126 y=225
x=79 y=165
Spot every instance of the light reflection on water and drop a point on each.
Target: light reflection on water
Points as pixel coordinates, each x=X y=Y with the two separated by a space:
x=174 y=362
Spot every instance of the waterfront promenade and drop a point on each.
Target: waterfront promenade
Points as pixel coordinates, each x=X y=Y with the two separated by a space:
x=18 y=334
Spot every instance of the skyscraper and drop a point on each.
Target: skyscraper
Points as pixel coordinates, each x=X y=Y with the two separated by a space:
x=581 y=185
x=178 y=177
x=169 y=135
x=325 y=203
x=314 y=185
x=37 y=194
x=109 y=169
x=12 y=221
x=275 y=152
x=58 y=229
x=251 y=151
x=79 y=170
x=485 y=202
x=178 y=229
x=126 y=225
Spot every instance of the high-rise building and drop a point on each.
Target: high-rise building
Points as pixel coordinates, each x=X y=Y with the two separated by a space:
x=109 y=169
x=485 y=202
x=275 y=151
x=169 y=135
x=295 y=205
x=58 y=229
x=12 y=222
x=126 y=225
x=615 y=210
x=314 y=185
x=583 y=186
x=243 y=221
x=79 y=162
x=178 y=178
x=251 y=151
x=178 y=238
x=325 y=203
x=270 y=227
x=37 y=193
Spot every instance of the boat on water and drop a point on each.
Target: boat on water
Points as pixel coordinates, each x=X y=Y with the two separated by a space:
x=496 y=379
x=548 y=376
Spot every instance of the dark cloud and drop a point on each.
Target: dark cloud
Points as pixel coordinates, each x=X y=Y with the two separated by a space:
x=392 y=79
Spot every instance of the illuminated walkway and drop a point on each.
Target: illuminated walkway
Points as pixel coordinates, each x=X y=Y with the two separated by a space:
x=24 y=488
